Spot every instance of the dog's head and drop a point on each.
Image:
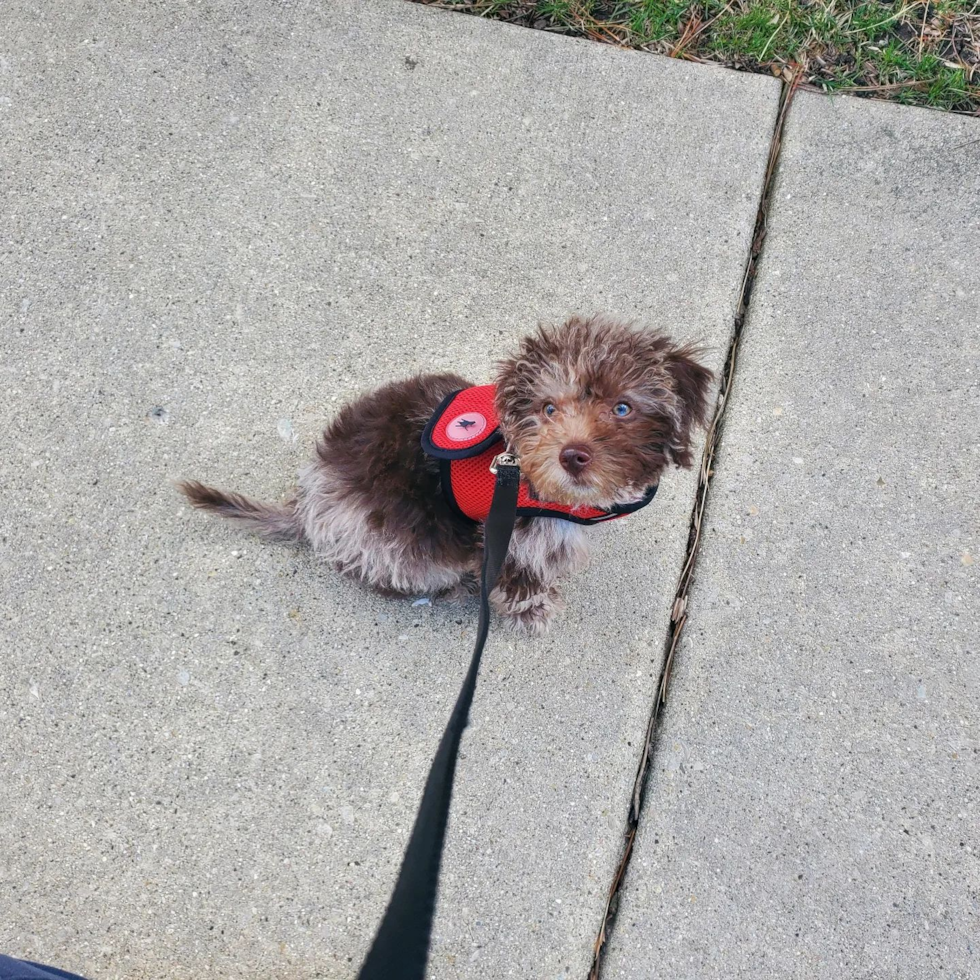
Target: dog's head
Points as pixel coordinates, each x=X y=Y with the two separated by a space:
x=597 y=409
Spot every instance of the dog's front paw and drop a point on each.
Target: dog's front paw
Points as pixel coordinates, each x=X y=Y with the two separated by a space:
x=466 y=587
x=530 y=614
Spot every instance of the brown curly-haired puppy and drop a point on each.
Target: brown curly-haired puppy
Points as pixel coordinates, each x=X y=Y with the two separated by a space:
x=595 y=409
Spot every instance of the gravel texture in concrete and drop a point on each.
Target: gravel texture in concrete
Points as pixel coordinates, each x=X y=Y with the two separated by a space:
x=220 y=221
x=814 y=807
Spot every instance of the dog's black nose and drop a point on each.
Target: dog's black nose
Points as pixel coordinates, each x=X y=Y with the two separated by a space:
x=575 y=458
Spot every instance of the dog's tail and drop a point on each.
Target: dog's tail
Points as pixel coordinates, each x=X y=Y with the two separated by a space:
x=270 y=520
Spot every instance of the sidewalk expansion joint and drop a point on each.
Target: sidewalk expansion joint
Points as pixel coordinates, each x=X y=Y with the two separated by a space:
x=679 y=611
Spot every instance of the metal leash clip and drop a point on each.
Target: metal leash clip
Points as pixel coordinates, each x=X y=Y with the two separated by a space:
x=504 y=459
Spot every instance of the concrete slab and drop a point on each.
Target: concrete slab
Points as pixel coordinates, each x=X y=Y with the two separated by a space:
x=221 y=220
x=814 y=807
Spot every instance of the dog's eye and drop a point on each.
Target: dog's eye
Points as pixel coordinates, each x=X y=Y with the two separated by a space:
x=549 y=409
x=621 y=409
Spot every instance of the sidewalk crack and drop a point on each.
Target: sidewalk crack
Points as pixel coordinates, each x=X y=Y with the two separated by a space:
x=679 y=611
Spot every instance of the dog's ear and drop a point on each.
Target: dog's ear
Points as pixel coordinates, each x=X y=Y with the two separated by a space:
x=692 y=383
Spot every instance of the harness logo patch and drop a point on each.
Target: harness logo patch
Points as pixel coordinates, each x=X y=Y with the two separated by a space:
x=465 y=427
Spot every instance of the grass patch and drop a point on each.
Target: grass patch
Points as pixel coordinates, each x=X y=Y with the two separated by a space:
x=914 y=52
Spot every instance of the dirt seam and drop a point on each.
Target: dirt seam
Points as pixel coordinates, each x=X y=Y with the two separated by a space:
x=679 y=610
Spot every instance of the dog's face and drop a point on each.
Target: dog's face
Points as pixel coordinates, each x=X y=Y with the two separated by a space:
x=596 y=409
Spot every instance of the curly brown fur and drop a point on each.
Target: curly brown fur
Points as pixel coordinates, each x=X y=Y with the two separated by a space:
x=371 y=501
x=269 y=520
x=583 y=370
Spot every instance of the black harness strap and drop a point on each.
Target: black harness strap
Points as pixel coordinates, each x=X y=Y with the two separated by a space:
x=400 y=949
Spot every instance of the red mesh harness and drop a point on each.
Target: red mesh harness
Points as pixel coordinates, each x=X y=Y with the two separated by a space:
x=464 y=435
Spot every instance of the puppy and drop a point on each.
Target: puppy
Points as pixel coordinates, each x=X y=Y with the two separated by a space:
x=595 y=410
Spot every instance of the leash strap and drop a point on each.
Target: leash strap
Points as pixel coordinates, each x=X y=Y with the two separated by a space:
x=400 y=949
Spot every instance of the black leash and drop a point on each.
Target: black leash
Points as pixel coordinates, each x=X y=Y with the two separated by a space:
x=400 y=949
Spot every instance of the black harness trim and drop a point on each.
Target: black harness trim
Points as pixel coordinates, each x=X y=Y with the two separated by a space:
x=437 y=452
x=447 y=456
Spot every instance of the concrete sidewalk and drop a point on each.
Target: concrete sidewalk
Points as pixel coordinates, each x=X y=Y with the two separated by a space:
x=220 y=222
x=815 y=806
